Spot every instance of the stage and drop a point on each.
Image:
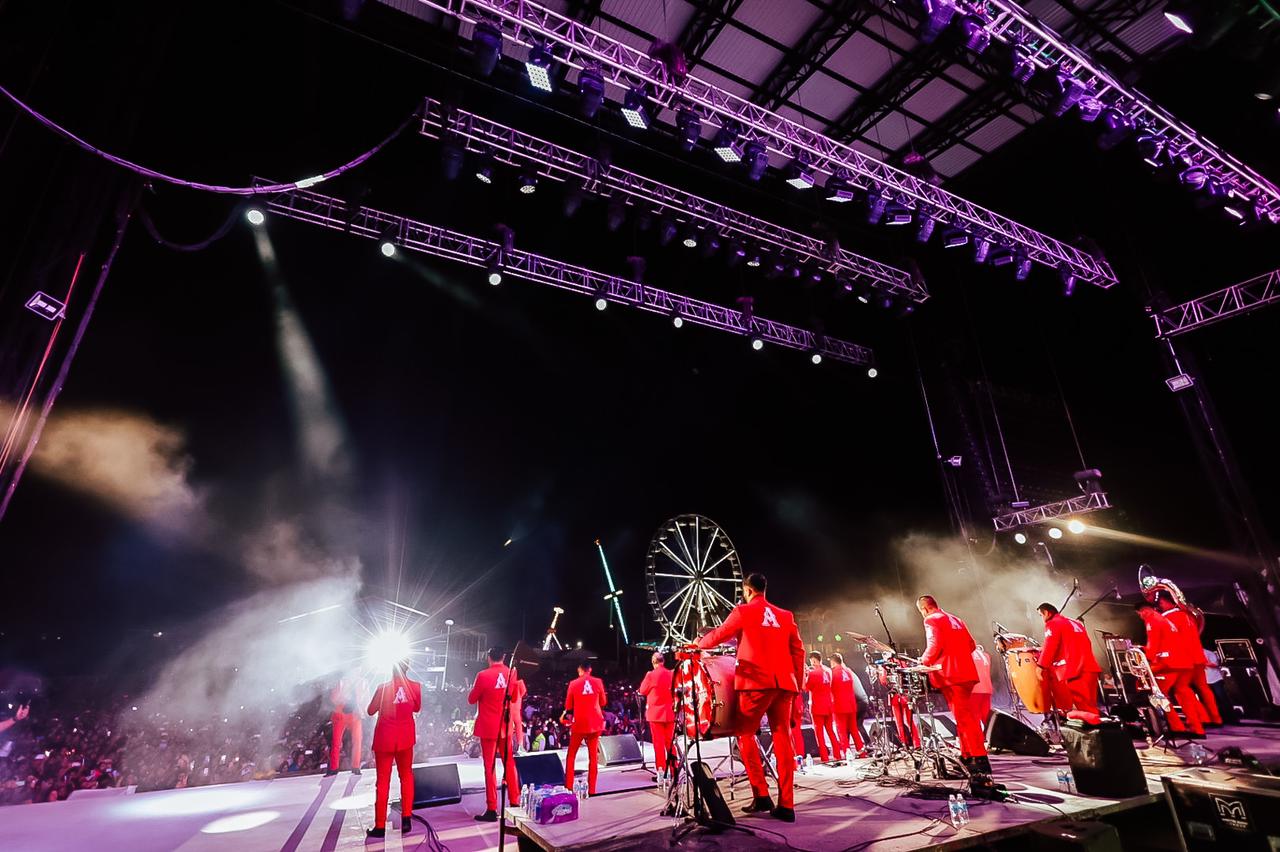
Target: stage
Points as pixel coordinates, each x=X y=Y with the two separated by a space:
x=835 y=810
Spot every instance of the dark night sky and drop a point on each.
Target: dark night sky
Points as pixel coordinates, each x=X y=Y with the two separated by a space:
x=521 y=412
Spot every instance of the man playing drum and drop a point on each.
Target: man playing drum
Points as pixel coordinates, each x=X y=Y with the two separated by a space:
x=767 y=680
x=1066 y=658
x=950 y=646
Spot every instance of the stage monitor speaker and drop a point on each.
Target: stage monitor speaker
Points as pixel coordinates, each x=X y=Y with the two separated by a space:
x=620 y=749
x=540 y=767
x=436 y=784
x=1008 y=734
x=1075 y=836
x=765 y=740
x=1216 y=810
x=705 y=780
x=1103 y=760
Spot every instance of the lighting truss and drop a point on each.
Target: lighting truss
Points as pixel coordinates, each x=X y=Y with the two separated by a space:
x=483 y=135
x=335 y=214
x=1081 y=505
x=1215 y=307
x=1013 y=25
x=522 y=21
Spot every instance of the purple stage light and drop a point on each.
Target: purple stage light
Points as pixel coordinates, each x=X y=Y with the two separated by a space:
x=976 y=35
x=690 y=127
x=486 y=47
x=756 y=156
x=981 y=248
x=727 y=146
x=838 y=189
x=590 y=91
x=799 y=174
x=539 y=65
x=954 y=238
x=937 y=16
x=635 y=108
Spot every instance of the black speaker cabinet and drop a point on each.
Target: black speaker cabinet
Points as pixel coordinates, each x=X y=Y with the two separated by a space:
x=1216 y=811
x=716 y=807
x=1075 y=836
x=539 y=768
x=436 y=784
x=620 y=749
x=1103 y=760
x=765 y=740
x=1006 y=733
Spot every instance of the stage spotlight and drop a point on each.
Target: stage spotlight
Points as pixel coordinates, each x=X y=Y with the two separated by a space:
x=590 y=91
x=954 y=238
x=1073 y=91
x=601 y=303
x=1020 y=537
x=756 y=156
x=452 y=154
x=815 y=357
x=1118 y=128
x=1001 y=257
x=1193 y=176
x=1022 y=66
x=1068 y=279
x=1179 y=14
x=1055 y=533
x=976 y=35
x=494 y=273
x=737 y=251
x=1023 y=269
x=799 y=174
x=1233 y=212
x=872 y=372
x=753 y=260
x=388 y=248
x=1089 y=108
x=616 y=214
x=635 y=108
x=757 y=342
x=690 y=127
x=838 y=188
x=690 y=238
x=877 y=201
x=676 y=319
x=1075 y=526
x=666 y=230
x=528 y=182
x=387 y=241
x=727 y=146
x=981 y=248
x=924 y=230
x=897 y=214
x=1150 y=146
x=484 y=171
x=539 y=65
x=710 y=245
x=255 y=216
x=386 y=649
x=486 y=47
x=937 y=15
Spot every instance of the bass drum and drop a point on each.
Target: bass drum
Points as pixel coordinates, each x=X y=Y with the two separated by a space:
x=1023 y=665
x=711 y=680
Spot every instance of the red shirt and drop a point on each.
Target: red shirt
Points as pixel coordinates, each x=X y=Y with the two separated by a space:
x=585 y=700
x=656 y=689
x=844 y=698
x=1188 y=634
x=394 y=703
x=949 y=645
x=1067 y=651
x=770 y=653
x=1165 y=649
x=488 y=691
x=818 y=684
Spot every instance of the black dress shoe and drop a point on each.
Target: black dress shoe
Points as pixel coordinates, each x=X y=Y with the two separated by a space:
x=356 y=771
x=330 y=773
x=759 y=805
x=376 y=832
x=784 y=814
x=406 y=824
x=487 y=816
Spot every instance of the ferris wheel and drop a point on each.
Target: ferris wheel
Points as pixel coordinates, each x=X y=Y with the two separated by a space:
x=693 y=575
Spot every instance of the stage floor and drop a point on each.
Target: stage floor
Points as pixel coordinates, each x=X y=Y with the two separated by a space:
x=834 y=810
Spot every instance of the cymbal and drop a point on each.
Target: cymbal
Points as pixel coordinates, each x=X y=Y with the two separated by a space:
x=870 y=641
x=922 y=669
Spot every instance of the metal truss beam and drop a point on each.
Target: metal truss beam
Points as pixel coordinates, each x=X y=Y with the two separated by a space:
x=895 y=88
x=1049 y=512
x=337 y=215
x=990 y=101
x=483 y=135
x=625 y=66
x=708 y=21
x=827 y=35
x=1206 y=310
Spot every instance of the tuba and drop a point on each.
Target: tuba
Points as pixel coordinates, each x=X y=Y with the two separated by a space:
x=1136 y=660
x=1151 y=587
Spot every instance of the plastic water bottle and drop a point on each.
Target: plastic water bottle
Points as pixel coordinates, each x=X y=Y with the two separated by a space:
x=808 y=761
x=953 y=806
x=1198 y=753
x=1062 y=781
x=1071 y=780
x=964 y=810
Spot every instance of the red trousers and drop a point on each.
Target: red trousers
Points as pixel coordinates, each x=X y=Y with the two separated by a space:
x=822 y=724
x=982 y=708
x=754 y=705
x=960 y=699
x=904 y=718
x=1078 y=694
x=342 y=721
x=491 y=750
x=404 y=764
x=661 y=734
x=797 y=723
x=846 y=726
x=1200 y=686
x=1176 y=683
x=593 y=758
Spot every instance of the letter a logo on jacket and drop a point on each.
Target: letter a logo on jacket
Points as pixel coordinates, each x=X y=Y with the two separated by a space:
x=769 y=620
x=501 y=682
x=400 y=698
x=586 y=688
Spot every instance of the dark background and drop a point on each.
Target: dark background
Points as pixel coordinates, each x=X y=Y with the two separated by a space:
x=520 y=412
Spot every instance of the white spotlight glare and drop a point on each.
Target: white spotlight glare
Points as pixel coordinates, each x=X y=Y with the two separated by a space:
x=1076 y=526
x=387 y=648
x=255 y=216
x=601 y=303
x=872 y=373
x=678 y=322
x=757 y=343
x=1020 y=537
x=1055 y=533
x=816 y=357
x=388 y=248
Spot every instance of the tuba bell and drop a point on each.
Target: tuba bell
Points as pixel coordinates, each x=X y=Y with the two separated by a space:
x=1151 y=587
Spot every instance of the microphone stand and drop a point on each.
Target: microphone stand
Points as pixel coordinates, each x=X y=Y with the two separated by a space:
x=1075 y=587
x=1100 y=599
x=887 y=634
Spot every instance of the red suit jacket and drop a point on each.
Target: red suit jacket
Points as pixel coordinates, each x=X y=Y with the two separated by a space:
x=1067 y=651
x=844 y=698
x=1188 y=634
x=585 y=700
x=949 y=645
x=1165 y=649
x=394 y=703
x=770 y=653
x=656 y=689
x=488 y=690
x=818 y=683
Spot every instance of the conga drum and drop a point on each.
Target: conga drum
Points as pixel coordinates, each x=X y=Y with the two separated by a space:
x=1023 y=666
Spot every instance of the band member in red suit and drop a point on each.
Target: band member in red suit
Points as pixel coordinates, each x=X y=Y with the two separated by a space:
x=769 y=672
x=982 y=689
x=344 y=718
x=904 y=716
x=1189 y=633
x=844 y=706
x=1171 y=664
x=491 y=688
x=1066 y=658
x=950 y=645
x=817 y=683
x=585 y=701
x=394 y=703
x=658 y=712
